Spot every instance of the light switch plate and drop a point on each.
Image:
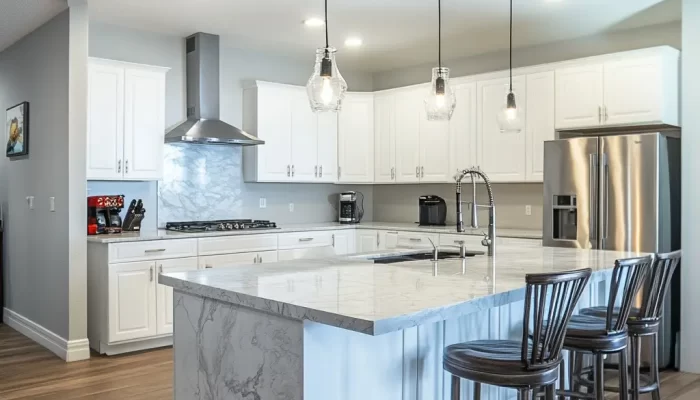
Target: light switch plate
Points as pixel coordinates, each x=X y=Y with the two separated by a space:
x=30 y=202
x=263 y=202
x=291 y=207
x=52 y=204
x=528 y=210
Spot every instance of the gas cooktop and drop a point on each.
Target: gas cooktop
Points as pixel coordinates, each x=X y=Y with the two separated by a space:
x=221 y=225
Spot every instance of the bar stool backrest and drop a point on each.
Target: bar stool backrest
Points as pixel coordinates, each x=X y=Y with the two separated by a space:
x=657 y=284
x=627 y=278
x=550 y=300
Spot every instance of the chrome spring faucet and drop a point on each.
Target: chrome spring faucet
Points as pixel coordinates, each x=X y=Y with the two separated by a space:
x=489 y=240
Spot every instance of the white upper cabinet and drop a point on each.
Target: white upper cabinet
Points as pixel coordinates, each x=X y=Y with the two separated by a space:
x=408 y=114
x=579 y=96
x=641 y=89
x=384 y=138
x=126 y=121
x=501 y=155
x=300 y=145
x=434 y=146
x=356 y=139
x=462 y=146
x=540 y=122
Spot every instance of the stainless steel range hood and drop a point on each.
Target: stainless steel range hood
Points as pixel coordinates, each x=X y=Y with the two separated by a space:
x=203 y=125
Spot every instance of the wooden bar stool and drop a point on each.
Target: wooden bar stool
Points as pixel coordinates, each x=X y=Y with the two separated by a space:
x=532 y=362
x=645 y=321
x=598 y=336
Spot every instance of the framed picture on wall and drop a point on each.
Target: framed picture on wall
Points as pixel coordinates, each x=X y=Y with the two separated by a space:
x=17 y=128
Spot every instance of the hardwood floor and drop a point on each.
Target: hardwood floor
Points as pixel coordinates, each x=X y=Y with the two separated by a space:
x=28 y=371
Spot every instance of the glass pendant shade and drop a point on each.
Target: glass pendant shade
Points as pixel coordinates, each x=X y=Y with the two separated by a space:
x=326 y=88
x=441 y=102
x=510 y=118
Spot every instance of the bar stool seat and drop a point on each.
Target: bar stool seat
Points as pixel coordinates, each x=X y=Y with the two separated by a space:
x=602 y=312
x=586 y=332
x=497 y=362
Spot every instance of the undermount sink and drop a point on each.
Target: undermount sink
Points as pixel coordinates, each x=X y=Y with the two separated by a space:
x=427 y=255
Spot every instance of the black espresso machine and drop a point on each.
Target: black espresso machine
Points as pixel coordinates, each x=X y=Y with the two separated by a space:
x=432 y=210
x=351 y=207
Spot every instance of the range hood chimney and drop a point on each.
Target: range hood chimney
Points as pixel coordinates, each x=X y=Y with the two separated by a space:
x=203 y=125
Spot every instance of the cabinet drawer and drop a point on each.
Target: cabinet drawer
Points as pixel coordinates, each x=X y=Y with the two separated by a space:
x=237 y=244
x=306 y=253
x=471 y=242
x=301 y=240
x=152 y=250
x=415 y=239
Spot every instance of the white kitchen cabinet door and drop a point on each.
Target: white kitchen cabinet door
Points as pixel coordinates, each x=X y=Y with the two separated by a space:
x=228 y=260
x=408 y=113
x=579 y=96
x=633 y=91
x=384 y=138
x=266 y=257
x=132 y=301
x=344 y=241
x=304 y=138
x=144 y=124
x=327 y=152
x=267 y=114
x=462 y=147
x=501 y=155
x=434 y=148
x=356 y=139
x=540 y=122
x=388 y=240
x=105 y=137
x=366 y=240
x=164 y=294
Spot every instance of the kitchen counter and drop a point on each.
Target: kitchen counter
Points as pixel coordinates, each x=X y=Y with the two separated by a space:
x=310 y=329
x=162 y=234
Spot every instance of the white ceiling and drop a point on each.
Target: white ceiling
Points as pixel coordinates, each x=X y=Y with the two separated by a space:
x=20 y=17
x=395 y=32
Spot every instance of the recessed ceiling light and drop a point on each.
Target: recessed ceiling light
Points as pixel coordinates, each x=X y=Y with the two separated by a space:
x=313 y=22
x=353 y=42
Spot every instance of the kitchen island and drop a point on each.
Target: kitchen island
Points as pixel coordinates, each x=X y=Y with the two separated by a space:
x=347 y=328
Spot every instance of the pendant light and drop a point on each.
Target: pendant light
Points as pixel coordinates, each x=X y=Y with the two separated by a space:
x=441 y=102
x=326 y=87
x=510 y=117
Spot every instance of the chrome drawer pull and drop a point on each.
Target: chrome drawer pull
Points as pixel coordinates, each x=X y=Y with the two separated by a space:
x=154 y=250
x=415 y=239
x=305 y=239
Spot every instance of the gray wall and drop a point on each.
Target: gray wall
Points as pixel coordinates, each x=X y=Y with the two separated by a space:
x=399 y=203
x=690 y=165
x=237 y=67
x=611 y=42
x=36 y=257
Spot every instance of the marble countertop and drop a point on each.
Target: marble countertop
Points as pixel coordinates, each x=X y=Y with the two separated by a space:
x=356 y=294
x=162 y=234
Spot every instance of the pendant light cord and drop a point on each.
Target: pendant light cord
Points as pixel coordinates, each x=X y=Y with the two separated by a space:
x=511 y=46
x=326 y=20
x=440 y=33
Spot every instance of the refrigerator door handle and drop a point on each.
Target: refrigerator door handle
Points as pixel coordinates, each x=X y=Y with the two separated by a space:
x=593 y=197
x=606 y=196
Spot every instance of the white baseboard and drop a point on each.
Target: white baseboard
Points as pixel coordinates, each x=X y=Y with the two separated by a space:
x=69 y=350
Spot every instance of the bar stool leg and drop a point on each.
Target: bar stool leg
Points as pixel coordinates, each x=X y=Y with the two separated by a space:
x=624 y=381
x=635 y=366
x=455 y=388
x=549 y=392
x=656 y=394
x=599 y=377
x=524 y=394
x=477 y=391
x=562 y=373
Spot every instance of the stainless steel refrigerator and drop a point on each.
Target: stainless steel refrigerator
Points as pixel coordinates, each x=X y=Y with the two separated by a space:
x=615 y=192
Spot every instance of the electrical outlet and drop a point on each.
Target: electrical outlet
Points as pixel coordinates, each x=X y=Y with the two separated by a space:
x=263 y=202
x=528 y=210
x=52 y=204
x=30 y=202
x=291 y=207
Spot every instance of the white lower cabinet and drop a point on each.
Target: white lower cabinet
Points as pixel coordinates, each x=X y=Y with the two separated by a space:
x=164 y=294
x=388 y=240
x=132 y=301
x=366 y=240
x=344 y=241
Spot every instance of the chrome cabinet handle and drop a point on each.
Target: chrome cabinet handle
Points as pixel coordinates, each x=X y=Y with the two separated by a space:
x=605 y=113
x=600 y=114
x=316 y=171
x=255 y=259
x=126 y=166
x=154 y=250
x=593 y=197
x=422 y=172
x=119 y=166
x=392 y=173
x=333 y=240
x=151 y=273
x=305 y=239
x=259 y=260
x=292 y=170
x=320 y=171
x=339 y=172
x=606 y=186
x=289 y=173
x=417 y=172
x=160 y=268
x=415 y=239
x=377 y=239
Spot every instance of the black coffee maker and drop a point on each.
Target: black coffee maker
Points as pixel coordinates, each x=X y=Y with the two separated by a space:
x=432 y=210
